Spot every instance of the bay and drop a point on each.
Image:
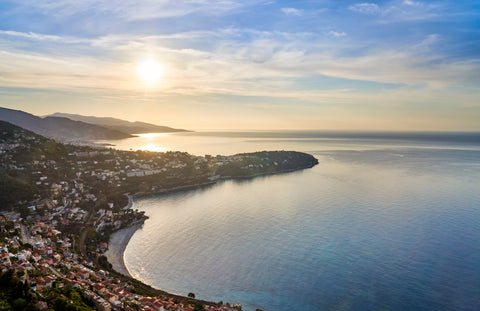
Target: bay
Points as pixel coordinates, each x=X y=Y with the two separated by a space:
x=386 y=221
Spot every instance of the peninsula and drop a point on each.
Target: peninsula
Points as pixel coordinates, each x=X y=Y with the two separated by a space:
x=60 y=204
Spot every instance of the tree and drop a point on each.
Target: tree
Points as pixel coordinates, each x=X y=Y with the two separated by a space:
x=19 y=304
x=191 y=295
x=103 y=262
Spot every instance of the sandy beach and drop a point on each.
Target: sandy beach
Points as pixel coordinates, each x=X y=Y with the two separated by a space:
x=117 y=245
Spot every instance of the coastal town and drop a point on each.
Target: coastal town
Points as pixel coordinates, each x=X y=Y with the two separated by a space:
x=60 y=203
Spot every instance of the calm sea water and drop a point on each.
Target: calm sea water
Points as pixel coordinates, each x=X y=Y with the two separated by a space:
x=384 y=222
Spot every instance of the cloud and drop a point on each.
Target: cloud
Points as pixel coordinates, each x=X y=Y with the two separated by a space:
x=401 y=10
x=41 y=37
x=336 y=34
x=412 y=3
x=365 y=8
x=30 y=35
x=225 y=62
x=265 y=67
x=407 y=10
x=132 y=10
x=292 y=11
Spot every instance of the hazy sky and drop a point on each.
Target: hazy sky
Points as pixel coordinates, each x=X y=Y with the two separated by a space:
x=325 y=64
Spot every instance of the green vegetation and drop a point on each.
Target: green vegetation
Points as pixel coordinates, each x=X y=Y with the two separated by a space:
x=103 y=263
x=265 y=162
x=34 y=165
x=15 y=294
x=71 y=299
x=73 y=198
x=14 y=189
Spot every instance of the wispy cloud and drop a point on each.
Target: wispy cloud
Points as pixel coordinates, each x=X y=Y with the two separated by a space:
x=140 y=10
x=412 y=11
x=336 y=34
x=40 y=37
x=232 y=67
x=365 y=8
x=401 y=10
x=412 y=3
x=292 y=11
x=30 y=35
x=313 y=53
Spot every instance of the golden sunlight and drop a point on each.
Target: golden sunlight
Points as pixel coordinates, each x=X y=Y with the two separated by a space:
x=151 y=135
x=149 y=70
x=154 y=148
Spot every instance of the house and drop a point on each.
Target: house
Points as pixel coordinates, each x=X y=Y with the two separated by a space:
x=70 y=275
x=40 y=283
x=42 y=305
x=110 y=297
x=101 y=304
x=36 y=257
x=73 y=283
x=158 y=306
x=99 y=288
x=49 y=280
x=103 y=246
x=83 y=274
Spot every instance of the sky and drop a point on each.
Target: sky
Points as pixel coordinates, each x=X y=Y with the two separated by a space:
x=399 y=65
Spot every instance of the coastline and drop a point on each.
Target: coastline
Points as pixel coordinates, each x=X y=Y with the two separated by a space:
x=116 y=248
x=130 y=201
x=120 y=239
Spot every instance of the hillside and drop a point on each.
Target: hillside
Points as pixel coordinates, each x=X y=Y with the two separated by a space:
x=31 y=165
x=119 y=125
x=70 y=198
x=18 y=146
x=62 y=129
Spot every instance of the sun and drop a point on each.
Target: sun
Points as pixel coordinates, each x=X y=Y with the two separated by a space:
x=149 y=70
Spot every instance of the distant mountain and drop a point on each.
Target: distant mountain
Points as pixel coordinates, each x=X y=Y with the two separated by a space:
x=120 y=125
x=62 y=129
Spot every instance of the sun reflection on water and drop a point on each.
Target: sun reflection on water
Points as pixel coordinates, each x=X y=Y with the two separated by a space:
x=153 y=147
x=151 y=135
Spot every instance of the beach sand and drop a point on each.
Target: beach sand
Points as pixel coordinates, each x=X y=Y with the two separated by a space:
x=117 y=245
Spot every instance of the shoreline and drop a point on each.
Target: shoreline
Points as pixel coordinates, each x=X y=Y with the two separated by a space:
x=170 y=190
x=116 y=248
x=130 y=201
x=120 y=238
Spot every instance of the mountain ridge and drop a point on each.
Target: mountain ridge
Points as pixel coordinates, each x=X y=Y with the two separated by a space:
x=73 y=128
x=128 y=127
x=62 y=129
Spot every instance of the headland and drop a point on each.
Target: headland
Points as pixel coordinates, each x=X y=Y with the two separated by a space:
x=76 y=193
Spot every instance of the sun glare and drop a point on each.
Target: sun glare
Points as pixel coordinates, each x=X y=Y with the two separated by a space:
x=151 y=135
x=149 y=70
x=153 y=147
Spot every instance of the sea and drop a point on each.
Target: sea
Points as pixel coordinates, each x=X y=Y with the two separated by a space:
x=385 y=221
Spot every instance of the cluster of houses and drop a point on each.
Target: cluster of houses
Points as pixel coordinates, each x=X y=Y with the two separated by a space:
x=42 y=254
x=39 y=242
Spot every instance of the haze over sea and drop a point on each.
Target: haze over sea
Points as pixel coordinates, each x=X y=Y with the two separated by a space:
x=386 y=221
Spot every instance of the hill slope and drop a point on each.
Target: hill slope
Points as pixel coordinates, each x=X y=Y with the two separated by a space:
x=119 y=125
x=62 y=129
